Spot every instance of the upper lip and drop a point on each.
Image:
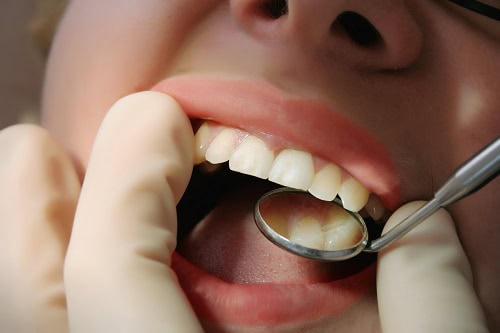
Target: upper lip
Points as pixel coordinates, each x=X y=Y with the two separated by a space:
x=259 y=107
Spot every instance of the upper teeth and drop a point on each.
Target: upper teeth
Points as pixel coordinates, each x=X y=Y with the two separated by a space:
x=244 y=158
x=292 y=168
x=250 y=155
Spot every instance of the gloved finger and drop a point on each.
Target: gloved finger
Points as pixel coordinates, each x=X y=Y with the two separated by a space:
x=117 y=272
x=424 y=281
x=38 y=194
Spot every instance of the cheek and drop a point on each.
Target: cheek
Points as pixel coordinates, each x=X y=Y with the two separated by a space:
x=104 y=51
x=476 y=218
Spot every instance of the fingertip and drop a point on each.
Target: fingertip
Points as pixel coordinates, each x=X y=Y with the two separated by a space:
x=38 y=194
x=435 y=236
x=31 y=156
x=149 y=121
x=401 y=212
x=23 y=140
x=424 y=280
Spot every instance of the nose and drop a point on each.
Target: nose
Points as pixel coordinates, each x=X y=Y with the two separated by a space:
x=377 y=34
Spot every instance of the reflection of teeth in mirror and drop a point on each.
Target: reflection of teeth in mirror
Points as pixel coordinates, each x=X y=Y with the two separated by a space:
x=277 y=222
x=222 y=146
x=307 y=232
x=201 y=142
x=374 y=208
x=293 y=168
x=340 y=230
x=252 y=157
x=336 y=230
x=326 y=182
x=354 y=195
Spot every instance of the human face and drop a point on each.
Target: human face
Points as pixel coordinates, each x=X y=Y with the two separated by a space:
x=397 y=103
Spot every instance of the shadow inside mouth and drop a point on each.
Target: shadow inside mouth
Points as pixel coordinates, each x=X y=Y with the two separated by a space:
x=206 y=190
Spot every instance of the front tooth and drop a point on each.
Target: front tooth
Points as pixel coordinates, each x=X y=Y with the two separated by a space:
x=341 y=230
x=293 y=168
x=201 y=142
x=307 y=232
x=252 y=157
x=354 y=195
x=222 y=146
x=326 y=183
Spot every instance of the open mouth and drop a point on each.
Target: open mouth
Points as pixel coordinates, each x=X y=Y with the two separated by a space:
x=247 y=143
x=265 y=158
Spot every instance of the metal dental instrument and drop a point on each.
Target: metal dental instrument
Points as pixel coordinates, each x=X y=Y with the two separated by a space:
x=467 y=179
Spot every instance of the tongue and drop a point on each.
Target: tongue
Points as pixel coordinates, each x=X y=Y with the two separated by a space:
x=228 y=245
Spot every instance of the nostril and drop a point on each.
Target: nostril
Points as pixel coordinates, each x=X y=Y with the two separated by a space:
x=359 y=29
x=273 y=8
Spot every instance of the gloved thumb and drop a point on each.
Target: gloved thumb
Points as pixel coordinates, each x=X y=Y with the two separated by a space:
x=424 y=280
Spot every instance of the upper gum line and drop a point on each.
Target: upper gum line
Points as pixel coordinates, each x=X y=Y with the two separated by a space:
x=271 y=142
x=318 y=170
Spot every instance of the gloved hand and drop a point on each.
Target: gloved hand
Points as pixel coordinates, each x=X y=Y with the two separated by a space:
x=424 y=281
x=117 y=276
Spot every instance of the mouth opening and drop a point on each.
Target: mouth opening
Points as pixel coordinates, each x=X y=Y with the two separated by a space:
x=209 y=188
x=214 y=184
x=210 y=184
x=206 y=189
x=255 y=269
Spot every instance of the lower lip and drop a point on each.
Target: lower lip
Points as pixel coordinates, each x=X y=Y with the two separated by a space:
x=257 y=304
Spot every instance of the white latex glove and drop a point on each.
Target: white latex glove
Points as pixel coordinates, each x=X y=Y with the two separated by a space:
x=424 y=281
x=116 y=273
x=38 y=193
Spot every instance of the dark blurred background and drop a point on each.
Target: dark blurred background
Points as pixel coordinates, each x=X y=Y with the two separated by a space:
x=21 y=63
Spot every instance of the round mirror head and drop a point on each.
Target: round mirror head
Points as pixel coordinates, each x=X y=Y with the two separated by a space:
x=302 y=224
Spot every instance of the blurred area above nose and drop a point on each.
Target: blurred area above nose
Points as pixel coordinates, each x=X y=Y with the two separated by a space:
x=377 y=34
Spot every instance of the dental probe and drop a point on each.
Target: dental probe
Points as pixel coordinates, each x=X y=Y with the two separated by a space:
x=476 y=172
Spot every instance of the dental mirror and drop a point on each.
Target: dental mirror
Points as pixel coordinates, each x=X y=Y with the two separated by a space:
x=309 y=227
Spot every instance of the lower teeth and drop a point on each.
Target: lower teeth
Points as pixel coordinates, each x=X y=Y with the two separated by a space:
x=341 y=231
x=310 y=222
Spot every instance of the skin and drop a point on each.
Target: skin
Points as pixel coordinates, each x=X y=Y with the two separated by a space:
x=429 y=93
